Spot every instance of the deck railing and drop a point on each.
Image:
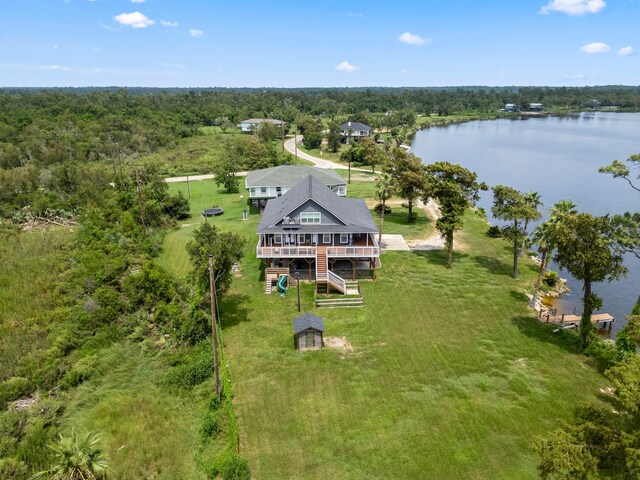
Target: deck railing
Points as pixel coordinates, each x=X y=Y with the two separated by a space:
x=337 y=281
x=353 y=251
x=281 y=252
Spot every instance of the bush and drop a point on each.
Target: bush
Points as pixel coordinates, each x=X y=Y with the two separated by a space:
x=312 y=140
x=551 y=278
x=13 y=389
x=194 y=368
x=230 y=466
x=210 y=425
x=11 y=468
x=494 y=231
x=378 y=209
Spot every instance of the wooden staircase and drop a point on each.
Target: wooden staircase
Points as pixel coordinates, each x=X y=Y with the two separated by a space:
x=321 y=265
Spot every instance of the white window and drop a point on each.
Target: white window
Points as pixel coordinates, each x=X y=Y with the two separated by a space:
x=301 y=238
x=310 y=217
x=341 y=190
x=326 y=238
x=263 y=190
x=344 y=238
x=253 y=191
x=277 y=238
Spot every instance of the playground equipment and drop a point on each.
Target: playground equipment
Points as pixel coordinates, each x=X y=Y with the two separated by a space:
x=281 y=285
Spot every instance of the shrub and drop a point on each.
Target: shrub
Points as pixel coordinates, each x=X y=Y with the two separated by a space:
x=230 y=466
x=194 y=368
x=210 y=425
x=378 y=209
x=13 y=389
x=312 y=140
x=11 y=468
x=551 y=278
x=494 y=231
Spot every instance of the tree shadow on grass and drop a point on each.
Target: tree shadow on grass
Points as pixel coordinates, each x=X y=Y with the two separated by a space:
x=542 y=332
x=493 y=265
x=439 y=256
x=232 y=311
x=519 y=296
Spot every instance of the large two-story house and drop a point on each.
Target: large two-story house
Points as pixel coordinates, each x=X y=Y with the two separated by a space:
x=252 y=124
x=315 y=231
x=354 y=131
x=276 y=181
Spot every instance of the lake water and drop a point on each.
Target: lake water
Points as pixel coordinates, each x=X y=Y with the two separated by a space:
x=558 y=157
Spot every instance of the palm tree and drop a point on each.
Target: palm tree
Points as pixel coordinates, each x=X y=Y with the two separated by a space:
x=545 y=236
x=384 y=190
x=78 y=457
x=532 y=199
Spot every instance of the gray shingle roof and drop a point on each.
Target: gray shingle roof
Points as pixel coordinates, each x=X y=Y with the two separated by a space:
x=354 y=126
x=289 y=175
x=352 y=212
x=306 y=321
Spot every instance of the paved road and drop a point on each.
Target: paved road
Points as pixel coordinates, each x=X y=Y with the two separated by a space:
x=318 y=162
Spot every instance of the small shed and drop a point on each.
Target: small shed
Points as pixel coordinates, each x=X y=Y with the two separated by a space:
x=308 y=331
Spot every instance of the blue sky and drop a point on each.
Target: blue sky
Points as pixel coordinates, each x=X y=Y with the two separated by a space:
x=252 y=43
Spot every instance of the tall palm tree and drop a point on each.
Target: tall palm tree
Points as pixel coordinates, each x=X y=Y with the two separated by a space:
x=546 y=235
x=532 y=199
x=78 y=457
x=385 y=188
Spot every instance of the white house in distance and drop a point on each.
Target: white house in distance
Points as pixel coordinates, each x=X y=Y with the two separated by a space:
x=354 y=130
x=251 y=124
x=536 y=107
x=276 y=181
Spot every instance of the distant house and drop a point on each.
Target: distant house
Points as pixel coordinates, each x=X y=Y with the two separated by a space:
x=536 y=107
x=251 y=124
x=311 y=228
x=510 y=107
x=308 y=332
x=276 y=181
x=593 y=103
x=354 y=130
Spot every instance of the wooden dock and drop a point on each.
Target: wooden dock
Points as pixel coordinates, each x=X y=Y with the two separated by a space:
x=601 y=320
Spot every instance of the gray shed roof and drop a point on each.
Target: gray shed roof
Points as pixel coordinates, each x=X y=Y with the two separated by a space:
x=307 y=321
x=354 y=126
x=352 y=212
x=289 y=175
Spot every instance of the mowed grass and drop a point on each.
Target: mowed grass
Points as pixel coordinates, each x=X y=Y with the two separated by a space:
x=450 y=377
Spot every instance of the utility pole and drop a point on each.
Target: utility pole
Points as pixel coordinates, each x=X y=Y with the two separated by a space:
x=144 y=225
x=298 y=283
x=214 y=329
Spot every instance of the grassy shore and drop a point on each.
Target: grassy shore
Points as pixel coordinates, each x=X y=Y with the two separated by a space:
x=449 y=375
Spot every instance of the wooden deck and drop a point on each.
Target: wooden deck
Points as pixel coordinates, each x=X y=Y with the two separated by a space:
x=601 y=320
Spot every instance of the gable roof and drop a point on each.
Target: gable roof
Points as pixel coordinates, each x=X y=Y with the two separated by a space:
x=306 y=321
x=258 y=121
x=289 y=175
x=354 y=126
x=352 y=212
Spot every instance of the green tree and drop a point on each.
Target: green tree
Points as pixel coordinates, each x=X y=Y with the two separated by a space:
x=587 y=248
x=545 y=236
x=384 y=191
x=312 y=140
x=333 y=137
x=78 y=457
x=510 y=205
x=619 y=170
x=409 y=177
x=227 y=249
x=454 y=188
x=532 y=199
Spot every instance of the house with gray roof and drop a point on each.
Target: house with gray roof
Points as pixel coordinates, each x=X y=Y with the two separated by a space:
x=311 y=228
x=251 y=124
x=354 y=130
x=276 y=181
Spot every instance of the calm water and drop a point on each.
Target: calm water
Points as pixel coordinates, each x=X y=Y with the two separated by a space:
x=558 y=158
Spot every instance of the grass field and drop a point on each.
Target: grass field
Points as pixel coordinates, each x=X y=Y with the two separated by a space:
x=449 y=376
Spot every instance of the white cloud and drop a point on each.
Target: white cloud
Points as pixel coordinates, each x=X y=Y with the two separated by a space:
x=55 y=45
x=138 y=1
x=573 y=7
x=626 y=51
x=413 y=39
x=166 y=23
x=56 y=68
x=346 y=67
x=355 y=15
x=134 y=20
x=595 y=47
x=196 y=33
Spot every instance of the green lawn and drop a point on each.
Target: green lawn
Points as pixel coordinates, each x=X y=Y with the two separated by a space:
x=449 y=377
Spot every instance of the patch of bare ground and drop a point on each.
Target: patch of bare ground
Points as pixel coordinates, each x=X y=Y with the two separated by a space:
x=339 y=343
